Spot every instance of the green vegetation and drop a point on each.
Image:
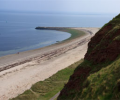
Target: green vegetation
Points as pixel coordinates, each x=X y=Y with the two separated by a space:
x=104 y=84
x=74 y=33
x=117 y=38
x=44 y=90
x=84 y=83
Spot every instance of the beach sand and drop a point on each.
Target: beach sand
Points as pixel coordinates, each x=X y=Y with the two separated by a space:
x=36 y=65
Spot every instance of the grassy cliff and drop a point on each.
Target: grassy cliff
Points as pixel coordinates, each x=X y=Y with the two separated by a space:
x=98 y=76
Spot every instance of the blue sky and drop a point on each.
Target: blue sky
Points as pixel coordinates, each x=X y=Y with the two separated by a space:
x=80 y=6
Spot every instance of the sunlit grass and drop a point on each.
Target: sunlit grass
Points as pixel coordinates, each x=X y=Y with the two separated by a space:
x=44 y=90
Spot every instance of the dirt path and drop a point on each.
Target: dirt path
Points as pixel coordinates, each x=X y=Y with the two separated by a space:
x=55 y=96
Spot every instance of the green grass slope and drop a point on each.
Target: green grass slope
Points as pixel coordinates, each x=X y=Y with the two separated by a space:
x=97 y=78
x=44 y=90
x=104 y=84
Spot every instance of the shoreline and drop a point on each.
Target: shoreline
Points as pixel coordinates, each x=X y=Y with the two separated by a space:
x=39 y=44
x=17 y=56
x=16 y=80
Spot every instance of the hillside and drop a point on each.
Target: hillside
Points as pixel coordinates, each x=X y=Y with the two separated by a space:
x=98 y=76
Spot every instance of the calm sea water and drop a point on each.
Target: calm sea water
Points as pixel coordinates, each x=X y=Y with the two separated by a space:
x=18 y=33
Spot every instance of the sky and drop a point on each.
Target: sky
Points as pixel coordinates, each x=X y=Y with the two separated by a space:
x=75 y=6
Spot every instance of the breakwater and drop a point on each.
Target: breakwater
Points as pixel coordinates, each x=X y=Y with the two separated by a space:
x=52 y=28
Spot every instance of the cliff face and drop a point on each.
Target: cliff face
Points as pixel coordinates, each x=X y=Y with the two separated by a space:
x=97 y=77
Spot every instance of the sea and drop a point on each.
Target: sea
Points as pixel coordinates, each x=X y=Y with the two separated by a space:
x=18 y=33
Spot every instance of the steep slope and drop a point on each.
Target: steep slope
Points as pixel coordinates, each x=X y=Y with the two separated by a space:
x=98 y=76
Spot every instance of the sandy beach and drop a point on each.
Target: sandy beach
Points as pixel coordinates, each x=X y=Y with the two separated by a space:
x=20 y=71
